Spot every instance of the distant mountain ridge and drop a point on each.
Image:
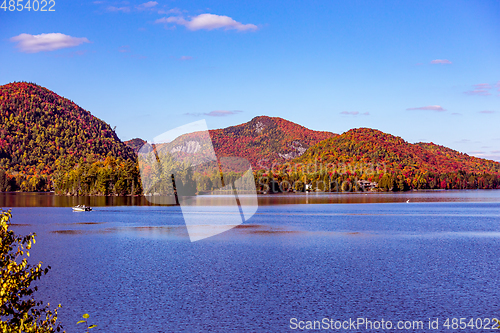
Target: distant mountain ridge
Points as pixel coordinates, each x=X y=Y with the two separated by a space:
x=368 y=145
x=266 y=140
x=263 y=141
x=42 y=133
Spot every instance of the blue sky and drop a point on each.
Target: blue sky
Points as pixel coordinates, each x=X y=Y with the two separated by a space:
x=425 y=71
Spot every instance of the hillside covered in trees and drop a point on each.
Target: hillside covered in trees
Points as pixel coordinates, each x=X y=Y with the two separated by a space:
x=48 y=143
x=393 y=163
x=265 y=141
x=135 y=144
x=40 y=131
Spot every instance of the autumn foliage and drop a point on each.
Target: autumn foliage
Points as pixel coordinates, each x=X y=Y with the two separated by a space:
x=49 y=143
x=264 y=141
x=19 y=310
x=40 y=129
x=402 y=165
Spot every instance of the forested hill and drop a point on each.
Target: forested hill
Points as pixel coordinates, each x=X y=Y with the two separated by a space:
x=263 y=141
x=401 y=165
x=47 y=142
x=135 y=144
x=37 y=127
x=463 y=161
x=266 y=140
x=365 y=145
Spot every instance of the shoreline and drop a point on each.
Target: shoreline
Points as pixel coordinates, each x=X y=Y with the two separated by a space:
x=44 y=199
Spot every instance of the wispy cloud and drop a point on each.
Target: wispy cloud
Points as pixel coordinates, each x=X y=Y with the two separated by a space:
x=164 y=20
x=127 y=53
x=182 y=58
x=480 y=89
x=437 y=108
x=456 y=114
x=208 y=22
x=487 y=111
x=147 y=5
x=170 y=11
x=495 y=151
x=355 y=113
x=493 y=157
x=441 y=61
x=46 y=42
x=217 y=113
x=477 y=92
x=124 y=49
x=222 y=113
x=482 y=86
x=463 y=141
x=124 y=9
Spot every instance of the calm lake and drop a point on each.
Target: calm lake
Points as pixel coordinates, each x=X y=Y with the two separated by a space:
x=316 y=257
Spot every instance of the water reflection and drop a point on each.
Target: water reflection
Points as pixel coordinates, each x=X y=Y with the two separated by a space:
x=13 y=199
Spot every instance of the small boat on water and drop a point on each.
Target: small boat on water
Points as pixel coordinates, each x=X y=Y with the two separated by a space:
x=82 y=208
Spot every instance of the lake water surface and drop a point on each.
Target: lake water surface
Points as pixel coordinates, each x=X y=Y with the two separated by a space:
x=308 y=257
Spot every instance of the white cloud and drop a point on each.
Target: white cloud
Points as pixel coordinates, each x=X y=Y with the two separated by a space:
x=429 y=107
x=217 y=113
x=147 y=5
x=46 y=42
x=221 y=113
x=183 y=58
x=355 y=113
x=477 y=92
x=441 y=61
x=170 y=11
x=480 y=89
x=487 y=112
x=482 y=86
x=118 y=9
x=165 y=20
x=209 y=22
